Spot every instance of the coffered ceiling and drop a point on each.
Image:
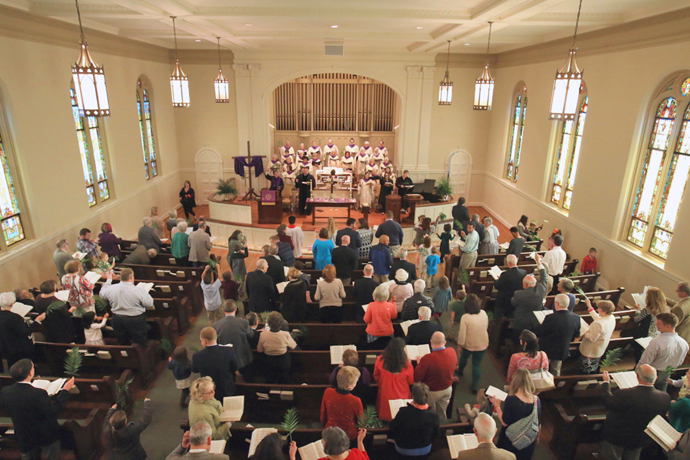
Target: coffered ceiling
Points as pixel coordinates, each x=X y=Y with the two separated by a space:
x=413 y=27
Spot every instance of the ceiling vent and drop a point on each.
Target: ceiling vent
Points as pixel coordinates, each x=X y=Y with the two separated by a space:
x=334 y=48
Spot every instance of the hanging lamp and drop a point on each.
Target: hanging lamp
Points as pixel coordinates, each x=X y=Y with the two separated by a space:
x=566 y=87
x=484 y=86
x=445 y=88
x=221 y=83
x=89 y=81
x=179 y=84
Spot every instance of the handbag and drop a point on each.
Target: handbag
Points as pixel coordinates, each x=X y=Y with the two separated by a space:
x=524 y=432
x=542 y=379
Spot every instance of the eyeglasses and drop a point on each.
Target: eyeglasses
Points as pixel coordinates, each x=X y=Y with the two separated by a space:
x=210 y=392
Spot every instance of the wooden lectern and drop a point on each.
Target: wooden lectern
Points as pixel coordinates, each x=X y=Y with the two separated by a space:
x=412 y=200
x=270 y=207
x=393 y=204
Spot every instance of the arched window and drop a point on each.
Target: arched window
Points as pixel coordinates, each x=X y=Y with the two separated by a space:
x=566 y=160
x=93 y=160
x=516 y=132
x=12 y=229
x=663 y=177
x=148 y=143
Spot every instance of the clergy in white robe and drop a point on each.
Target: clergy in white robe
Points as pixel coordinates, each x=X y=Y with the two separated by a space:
x=366 y=191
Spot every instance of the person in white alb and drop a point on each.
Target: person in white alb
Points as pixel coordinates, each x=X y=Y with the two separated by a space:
x=361 y=160
x=297 y=236
x=328 y=149
x=287 y=150
x=352 y=148
x=555 y=259
x=347 y=162
x=314 y=149
x=128 y=304
x=668 y=349
x=381 y=154
x=366 y=148
x=301 y=152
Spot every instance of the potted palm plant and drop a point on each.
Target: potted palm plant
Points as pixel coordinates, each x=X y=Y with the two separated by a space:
x=226 y=188
x=443 y=188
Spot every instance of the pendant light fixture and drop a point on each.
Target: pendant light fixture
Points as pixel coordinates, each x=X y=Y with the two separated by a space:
x=179 y=84
x=566 y=87
x=445 y=88
x=221 y=83
x=484 y=86
x=89 y=81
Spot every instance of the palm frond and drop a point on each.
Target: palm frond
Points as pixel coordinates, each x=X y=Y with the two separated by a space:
x=369 y=418
x=73 y=362
x=611 y=358
x=55 y=306
x=122 y=391
x=290 y=422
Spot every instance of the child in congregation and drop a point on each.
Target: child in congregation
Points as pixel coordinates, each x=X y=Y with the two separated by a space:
x=679 y=411
x=210 y=286
x=457 y=306
x=92 y=330
x=446 y=237
x=423 y=250
x=104 y=264
x=589 y=262
x=237 y=265
x=431 y=262
x=441 y=297
x=181 y=368
x=230 y=287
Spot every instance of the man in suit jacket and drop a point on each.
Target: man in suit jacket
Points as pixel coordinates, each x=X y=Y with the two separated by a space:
x=15 y=333
x=630 y=411
x=557 y=331
x=485 y=429
x=196 y=444
x=516 y=244
x=420 y=333
x=506 y=285
x=682 y=310
x=528 y=300
x=147 y=236
x=261 y=291
x=478 y=226
x=460 y=214
x=405 y=265
x=33 y=414
x=199 y=246
x=216 y=362
x=276 y=268
x=363 y=290
x=235 y=331
x=345 y=259
x=355 y=239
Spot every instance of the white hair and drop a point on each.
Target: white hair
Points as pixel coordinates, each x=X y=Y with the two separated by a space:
x=381 y=293
x=368 y=269
x=261 y=264
x=424 y=313
x=401 y=275
x=419 y=285
x=511 y=259
x=402 y=254
x=147 y=221
x=182 y=226
x=530 y=280
x=646 y=374
x=485 y=426
x=7 y=299
x=199 y=433
x=562 y=301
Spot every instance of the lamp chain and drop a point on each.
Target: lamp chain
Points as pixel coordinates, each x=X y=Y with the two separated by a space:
x=81 y=29
x=218 y=38
x=488 y=45
x=448 y=57
x=175 y=35
x=577 y=22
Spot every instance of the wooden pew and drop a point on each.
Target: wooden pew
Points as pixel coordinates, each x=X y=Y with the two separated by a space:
x=613 y=295
x=140 y=359
x=314 y=275
x=489 y=260
x=455 y=259
x=349 y=296
x=481 y=274
x=318 y=336
x=160 y=274
x=349 y=310
x=570 y=431
x=170 y=308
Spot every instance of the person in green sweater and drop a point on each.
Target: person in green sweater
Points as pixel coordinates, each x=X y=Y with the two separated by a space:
x=179 y=246
x=204 y=407
x=680 y=408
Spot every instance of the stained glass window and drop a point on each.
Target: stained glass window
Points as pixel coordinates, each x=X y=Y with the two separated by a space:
x=92 y=156
x=148 y=143
x=685 y=87
x=12 y=229
x=566 y=160
x=517 y=129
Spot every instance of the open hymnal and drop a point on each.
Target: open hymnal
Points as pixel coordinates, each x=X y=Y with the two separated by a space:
x=285 y=270
x=233 y=407
x=625 y=379
x=584 y=327
x=337 y=352
x=663 y=433
x=639 y=299
x=50 y=387
x=644 y=341
x=79 y=255
x=92 y=277
x=217 y=447
x=415 y=352
x=189 y=230
x=145 y=286
x=531 y=255
x=62 y=295
x=364 y=307
x=504 y=246
x=281 y=287
x=542 y=314
x=312 y=451
x=396 y=404
x=405 y=325
x=21 y=309
x=496 y=393
x=458 y=442
x=495 y=272
x=257 y=436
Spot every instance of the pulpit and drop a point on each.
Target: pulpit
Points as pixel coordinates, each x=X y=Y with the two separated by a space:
x=393 y=204
x=270 y=208
x=412 y=199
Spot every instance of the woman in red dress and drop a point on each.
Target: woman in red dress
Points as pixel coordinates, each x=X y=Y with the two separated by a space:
x=394 y=374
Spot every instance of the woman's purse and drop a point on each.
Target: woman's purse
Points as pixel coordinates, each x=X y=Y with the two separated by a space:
x=525 y=431
x=542 y=379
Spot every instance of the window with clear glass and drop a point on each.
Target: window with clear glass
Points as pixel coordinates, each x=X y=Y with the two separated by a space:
x=148 y=143
x=516 y=132
x=93 y=161
x=566 y=159
x=12 y=229
x=664 y=173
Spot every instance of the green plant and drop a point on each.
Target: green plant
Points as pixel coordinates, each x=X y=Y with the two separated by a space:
x=611 y=358
x=442 y=187
x=190 y=221
x=669 y=369
x=55 y=306
x=290 y=422
x=122 y=391
x=166 y=346
x=369 y=418
x=73 y=362
x=463 y=277
x=226 y=187
x=100 y=303
x=442 y=217
x=575 y=272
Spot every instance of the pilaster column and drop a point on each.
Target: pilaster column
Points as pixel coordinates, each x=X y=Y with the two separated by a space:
x=427 y=100
x=411 y=117
x=249 y=109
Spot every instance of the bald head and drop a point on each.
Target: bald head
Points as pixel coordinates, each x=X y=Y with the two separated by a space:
x=511 y=260
x=484 y=427
x=646 y=374
x=368 y=269
x=529 y=281
x=345 y=240
x=384 y=240
x=438 y=340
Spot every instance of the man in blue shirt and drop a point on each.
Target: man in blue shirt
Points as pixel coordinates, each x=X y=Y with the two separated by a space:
x=393 y=231
x=381 y=259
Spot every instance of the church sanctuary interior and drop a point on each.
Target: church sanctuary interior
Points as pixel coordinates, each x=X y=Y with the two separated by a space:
x=206 y=205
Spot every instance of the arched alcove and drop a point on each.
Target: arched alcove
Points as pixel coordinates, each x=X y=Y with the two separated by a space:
x=459 y=172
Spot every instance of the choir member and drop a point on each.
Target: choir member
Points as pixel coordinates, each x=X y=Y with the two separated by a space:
x=381 y=154
x=275 y=163
x=387 y=183
x=314 y=149
x=328 y=149
x=301 y=152
x=305 y=163
x=361 y=159
x=372 y=168
x=352 y=148
x=315 y=160
x=366 y=191
x=386 y=163
x=286 y=150
x=305 y=183
x=347 y=162
x=366 y=148
x=333 y=160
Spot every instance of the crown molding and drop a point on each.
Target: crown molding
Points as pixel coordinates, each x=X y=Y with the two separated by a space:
x=465 y=61
x=21 y=25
